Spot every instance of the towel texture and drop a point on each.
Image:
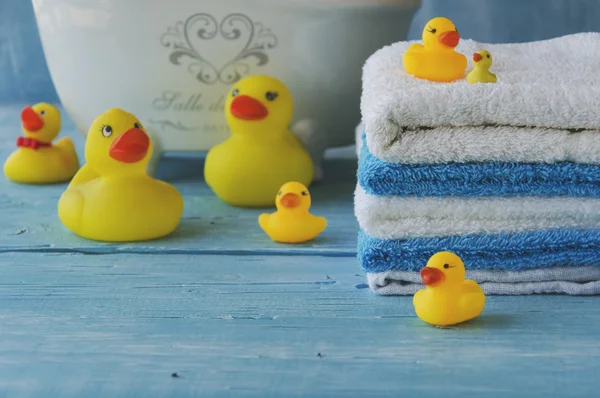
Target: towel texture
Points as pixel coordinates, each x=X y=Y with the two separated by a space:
x=506 y=175
x=446 y=144
x=391 y=217
x=477 y=179
x=557 y=280
x=543 y=84
x=525 y=250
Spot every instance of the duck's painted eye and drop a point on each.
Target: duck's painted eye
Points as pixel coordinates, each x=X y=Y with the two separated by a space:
x=107 y=131
x=304 y=193
x=271 y=95
x=446 y=266
x=488 y=55
x=432 y=30
x=137 y=125
x=235 y=92
x=42 y=113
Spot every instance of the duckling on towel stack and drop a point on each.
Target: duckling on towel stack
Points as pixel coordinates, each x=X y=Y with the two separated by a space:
x=506 y=175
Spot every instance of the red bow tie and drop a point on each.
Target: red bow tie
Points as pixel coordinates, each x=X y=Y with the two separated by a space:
x=32 y=143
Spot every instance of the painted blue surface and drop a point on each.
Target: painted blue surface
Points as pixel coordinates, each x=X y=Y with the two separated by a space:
x=24 y=75
x=235 y=315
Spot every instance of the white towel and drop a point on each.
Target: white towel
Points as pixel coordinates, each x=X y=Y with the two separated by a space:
x=387 y=217
x=557 y=280
x=547 y=90
x=447 y=144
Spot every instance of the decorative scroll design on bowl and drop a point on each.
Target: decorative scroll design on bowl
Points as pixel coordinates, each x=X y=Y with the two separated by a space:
x=250 y=41
x=166 y=124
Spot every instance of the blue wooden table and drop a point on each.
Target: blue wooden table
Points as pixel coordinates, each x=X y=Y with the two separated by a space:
x=217 y=309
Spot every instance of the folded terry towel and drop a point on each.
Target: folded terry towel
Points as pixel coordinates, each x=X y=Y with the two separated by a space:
x=525 y=250
x=559 y=280
x=391 y=217
x=477 y=179
x=447 y=144
x=546 y=90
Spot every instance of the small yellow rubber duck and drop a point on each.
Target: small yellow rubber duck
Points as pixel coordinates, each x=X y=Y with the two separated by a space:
x=292 y=223
x=448 y=298
x=482 y=61
x=37 y=160
x=262 y=154
x=112 y=198
x=436 y=59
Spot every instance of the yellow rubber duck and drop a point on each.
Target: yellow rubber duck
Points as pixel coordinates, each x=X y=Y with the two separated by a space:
x=37 y=160
x=112 y=198
x=482 y=61
x=448 y=298
x=292 y=223
x=262 y=154
x=436 y=59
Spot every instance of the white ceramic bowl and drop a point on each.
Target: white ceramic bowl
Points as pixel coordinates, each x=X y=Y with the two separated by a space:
x=171 y=62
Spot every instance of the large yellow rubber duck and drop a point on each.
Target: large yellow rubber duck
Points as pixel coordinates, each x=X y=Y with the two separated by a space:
x=292 y=223
x=448 y=298
x=262 y=154
x=112 y=198
x=482 y=61
x=37 y=160
x=436 y=59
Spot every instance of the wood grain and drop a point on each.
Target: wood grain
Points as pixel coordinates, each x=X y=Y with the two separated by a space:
x=219 y=310
x=121 y=324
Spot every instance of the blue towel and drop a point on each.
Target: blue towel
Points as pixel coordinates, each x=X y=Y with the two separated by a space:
x=477 y=179
x=527 y=250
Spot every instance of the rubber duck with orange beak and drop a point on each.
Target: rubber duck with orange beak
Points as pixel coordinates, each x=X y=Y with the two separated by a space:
x=37 y=159
x=262 y=154
x=482 y=61
x=436 y=59
x=448 y=298
x=292 y=222
x=112 y=198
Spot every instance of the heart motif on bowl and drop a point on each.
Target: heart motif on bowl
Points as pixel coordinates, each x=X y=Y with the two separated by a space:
x=219 y=51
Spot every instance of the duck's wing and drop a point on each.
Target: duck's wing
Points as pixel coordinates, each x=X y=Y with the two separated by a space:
x=306 y=134
x=84 y=175
x=471 y=287
x=472 y=299
x=415 y=47
x=319 y=223
x=263 y=221
x=67 y=153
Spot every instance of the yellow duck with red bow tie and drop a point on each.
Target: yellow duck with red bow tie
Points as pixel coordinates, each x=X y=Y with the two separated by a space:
x=38 y=160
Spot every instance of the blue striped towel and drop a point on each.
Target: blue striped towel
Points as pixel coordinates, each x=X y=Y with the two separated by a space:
x=522 y=251
x=378 y=177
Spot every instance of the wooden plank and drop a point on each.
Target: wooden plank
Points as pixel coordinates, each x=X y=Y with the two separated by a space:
x=30 y=221
x=120 y=325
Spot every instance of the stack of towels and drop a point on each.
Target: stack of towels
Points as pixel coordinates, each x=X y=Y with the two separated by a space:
x=506 y=175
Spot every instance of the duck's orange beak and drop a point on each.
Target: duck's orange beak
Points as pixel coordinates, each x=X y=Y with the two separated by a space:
x=247 y=108
x=130 y=147
x=450 y=38
x=290 y=200
x=432 y=276
x=30 y=120
x=477 y=57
